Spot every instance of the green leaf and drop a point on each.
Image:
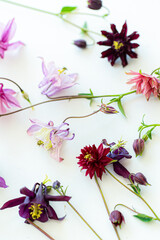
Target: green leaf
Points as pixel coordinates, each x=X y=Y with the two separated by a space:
x=143 y=217
x=121 y=107
x=149 y=133
x=67 y=9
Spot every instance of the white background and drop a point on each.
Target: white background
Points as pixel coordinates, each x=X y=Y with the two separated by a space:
x=22 y=162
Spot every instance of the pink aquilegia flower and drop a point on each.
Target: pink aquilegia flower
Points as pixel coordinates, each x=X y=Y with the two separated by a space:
x=7 y=100
x=50 y=137
x=145 y=84
x=3 y=183
x=55 y=79
x=6 y=34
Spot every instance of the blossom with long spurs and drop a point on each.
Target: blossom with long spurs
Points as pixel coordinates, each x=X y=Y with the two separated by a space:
x=55 y=79
x=94 y=160
x=50 y=136
x=35 y=203
x=3 y=183
x=120 y=45
x=7 y=99
x=6 y=34
x=145 y=84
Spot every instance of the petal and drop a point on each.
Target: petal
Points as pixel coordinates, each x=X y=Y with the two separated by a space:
x=123 y=32
x=123 y=59
x=121 y=170
x=12 y=101
x=105 y=43
x=3 y=183
x=113 y=27
x=51 y=213
x=133 y=36
x=13 y=46
x=13 y=202
x=24 y=211
x=132 y=54
x=107 y=53
x=27 y=192
x=57 y=198
x=9 y=31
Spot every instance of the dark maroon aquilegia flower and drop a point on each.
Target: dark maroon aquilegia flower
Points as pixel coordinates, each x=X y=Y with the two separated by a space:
x=94 y=160
x=34 y=205
x=120 y=44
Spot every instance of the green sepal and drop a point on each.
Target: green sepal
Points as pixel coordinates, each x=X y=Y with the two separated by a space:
x=84 y=29
x=136 y=189
x=149 y=133
x=140 y=128
x=105 y=15
x=67 y=9
x=121 y=107
x=143 y=217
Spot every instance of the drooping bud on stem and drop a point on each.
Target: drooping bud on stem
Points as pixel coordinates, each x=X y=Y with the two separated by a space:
x=138 y=146
x=94 y=4
x=107 y=109
x=116 y=218
x=80 y=43
x=140 y=179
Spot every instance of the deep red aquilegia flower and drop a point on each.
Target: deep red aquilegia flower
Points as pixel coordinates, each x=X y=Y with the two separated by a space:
x=94 y=160
x=34 y=205
x=120 y=44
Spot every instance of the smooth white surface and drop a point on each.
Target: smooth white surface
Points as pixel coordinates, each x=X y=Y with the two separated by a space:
x=22 y=162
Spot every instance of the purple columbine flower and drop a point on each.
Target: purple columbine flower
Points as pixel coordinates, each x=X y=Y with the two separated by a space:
x=120 y=45
x=35 y=204
x=140 y=179
x=3 y=183
x=50 y=137
x=7 y=100
x=6 y=34
x=116 y=218
x=55 y=79
x=138 y=146
x=94 y=4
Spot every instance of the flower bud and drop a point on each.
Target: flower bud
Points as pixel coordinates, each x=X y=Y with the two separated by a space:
x=138 y=146
x=116 y=218
x=80 y=43
x=56 y=184
x=107 y=109
x=94 y=4
x=140 y=179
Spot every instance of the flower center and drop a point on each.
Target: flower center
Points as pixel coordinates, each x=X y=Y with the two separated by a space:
x=117 y=45
x=88 y=156
x=62 y=70
x=36 y=211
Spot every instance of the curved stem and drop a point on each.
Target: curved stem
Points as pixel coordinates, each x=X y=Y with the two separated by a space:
x=50 y=13
x=40 y=229
x=74 y=209
x=10 y=80
x=88 y=115
x=62 y=98
x=135 y=194
x=105 y=203
x=120 y=204
x=89 y=14
x=155 y=70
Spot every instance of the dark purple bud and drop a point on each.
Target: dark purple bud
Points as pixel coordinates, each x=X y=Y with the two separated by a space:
x=116 y=218
x=140 y=179
x=107 y=109
x=56 y=184
x=80 y=43
x=94 y=4
x=138 y=146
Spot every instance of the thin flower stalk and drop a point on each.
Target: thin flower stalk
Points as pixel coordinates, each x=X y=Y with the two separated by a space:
x=105 y=203
x=62 y=98
x=40 y=229
x=135 y=194
x=51 y=13
x=62 y=193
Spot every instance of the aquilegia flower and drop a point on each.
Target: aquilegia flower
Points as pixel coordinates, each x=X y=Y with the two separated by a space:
x=55 y=79
x=145 y=84
x=116 y=218
x=7 y=100
x=3 y=183
x=6 y=34
x=49 y=136
x=34 y=205
x=94 y=4
x=94 y=160
x=120 y=44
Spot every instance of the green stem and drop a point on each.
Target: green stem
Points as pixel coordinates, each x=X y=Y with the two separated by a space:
x=7 y=79
x=62 y=98
x=50 y=13
x=155 y=70
x=40 y=229
x=135 y=194
x=89 y=14
x=105 y=203
x=84 y=116
x=120 y=204
x=74 y=209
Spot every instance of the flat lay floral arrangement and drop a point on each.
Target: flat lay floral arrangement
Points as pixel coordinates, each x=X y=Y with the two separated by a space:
x=79 y=121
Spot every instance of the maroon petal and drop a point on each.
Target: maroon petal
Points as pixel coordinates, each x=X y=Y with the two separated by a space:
x=113 y=27
x=133 y=36
x=121 y=170
x=57 y=198
x=24 y=211
x=123 y=59
x=132 y=54
x=123 y=32
x=107 y=34
x=13 y=202
x=27 y=192
x=105 y=43
x=107 y=53
x=134 y=45
x=43 y=217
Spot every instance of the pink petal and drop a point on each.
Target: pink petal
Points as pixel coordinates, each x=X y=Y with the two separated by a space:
x=33 y=129
x=9 y=31
x=13 y=46
x=12 y=101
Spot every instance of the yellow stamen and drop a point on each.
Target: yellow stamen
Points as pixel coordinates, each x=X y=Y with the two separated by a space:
x=117 y=45
x=62 y=70
x=88 y=156
x=36 y=211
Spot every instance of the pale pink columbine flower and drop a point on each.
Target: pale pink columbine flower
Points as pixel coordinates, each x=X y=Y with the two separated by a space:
x=6 y=34
x=7 y=100
x=145 y=84
x=50 y=137
x=55 y=79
